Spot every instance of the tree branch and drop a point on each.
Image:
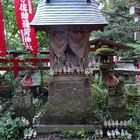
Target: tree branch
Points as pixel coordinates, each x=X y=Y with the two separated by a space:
x=116 y=14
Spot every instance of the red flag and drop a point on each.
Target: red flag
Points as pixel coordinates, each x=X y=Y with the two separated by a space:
x=2 y=36
x=24 y=14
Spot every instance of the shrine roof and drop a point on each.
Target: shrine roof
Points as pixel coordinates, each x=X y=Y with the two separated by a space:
x=129 y=65
x=126 y=67
x=116 y=46
x=68 y=13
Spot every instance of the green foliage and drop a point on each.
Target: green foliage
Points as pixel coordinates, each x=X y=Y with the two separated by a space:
x=134 y=52
x=98 y=100
x=122 y=138
x=133 y=90
x=12 y=34
x=121 y=26
x=134 y=113
x=43 y=41
x=10 y=128
x=133 y=107
x=82 y=133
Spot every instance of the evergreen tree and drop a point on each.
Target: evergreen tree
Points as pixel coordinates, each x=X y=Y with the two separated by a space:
x=121 y=26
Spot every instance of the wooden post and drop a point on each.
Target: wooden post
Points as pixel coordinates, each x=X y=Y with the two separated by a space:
x=34 y=63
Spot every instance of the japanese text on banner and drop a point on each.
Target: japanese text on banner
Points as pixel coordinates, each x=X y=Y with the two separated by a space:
x=25 y=13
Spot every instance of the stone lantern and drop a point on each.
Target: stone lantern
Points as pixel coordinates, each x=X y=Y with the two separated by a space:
x=106 y=64
x=115 y=103
x=68 y=24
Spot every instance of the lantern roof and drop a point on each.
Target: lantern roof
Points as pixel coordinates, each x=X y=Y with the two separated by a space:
x=68 y=13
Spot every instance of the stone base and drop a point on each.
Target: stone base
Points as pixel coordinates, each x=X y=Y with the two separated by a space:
x=116 y=102
x=117 y=114
x=23 y=106
x=69 y=101
x=116 y=107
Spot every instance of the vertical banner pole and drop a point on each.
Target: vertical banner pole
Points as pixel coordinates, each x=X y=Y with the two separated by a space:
x=2 y=35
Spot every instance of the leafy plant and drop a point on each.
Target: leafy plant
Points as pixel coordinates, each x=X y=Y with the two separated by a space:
x=10 y=128
x=123 y=138
x=134 y=113
x=98 y=100
x=82 y=133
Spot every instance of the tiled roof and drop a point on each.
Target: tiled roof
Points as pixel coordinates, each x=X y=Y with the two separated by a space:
x=68 y=12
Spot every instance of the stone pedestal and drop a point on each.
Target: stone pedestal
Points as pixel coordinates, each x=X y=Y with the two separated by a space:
x=23 y=106
x=69 y=101
x=116 y=105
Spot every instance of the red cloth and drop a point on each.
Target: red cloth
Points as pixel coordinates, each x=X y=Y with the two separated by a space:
x=112 y=81
x=27 y=82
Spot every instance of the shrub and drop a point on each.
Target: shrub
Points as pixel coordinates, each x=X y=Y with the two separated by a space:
x=10 y=128
x=98 y=100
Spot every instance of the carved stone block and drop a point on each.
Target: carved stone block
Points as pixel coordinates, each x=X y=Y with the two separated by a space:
x=69 y=101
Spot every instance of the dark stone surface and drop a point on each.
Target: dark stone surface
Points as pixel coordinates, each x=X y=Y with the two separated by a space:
x=23 y=106
x=69 y=101
x=116 y=102
x=42 y=129
x=116 y=106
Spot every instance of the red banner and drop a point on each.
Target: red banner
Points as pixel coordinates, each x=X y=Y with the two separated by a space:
x=24 y=14
x=2 y=36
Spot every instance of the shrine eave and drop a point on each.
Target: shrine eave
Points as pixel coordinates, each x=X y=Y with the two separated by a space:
x=49 y=28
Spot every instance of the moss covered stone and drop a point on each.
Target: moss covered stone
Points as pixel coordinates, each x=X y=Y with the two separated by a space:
x=105 y=51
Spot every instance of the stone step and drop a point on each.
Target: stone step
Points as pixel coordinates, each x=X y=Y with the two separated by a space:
x=52 y=132
x=59 y=128
x=59 y=138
